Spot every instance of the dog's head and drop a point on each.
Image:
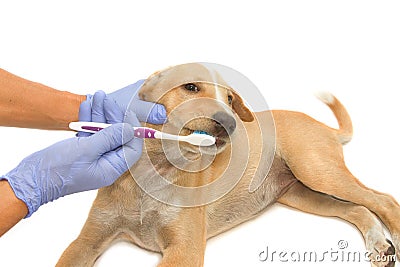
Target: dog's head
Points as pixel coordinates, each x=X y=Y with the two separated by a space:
x=197 y=99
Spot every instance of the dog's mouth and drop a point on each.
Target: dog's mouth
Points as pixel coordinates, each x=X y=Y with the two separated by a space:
x=221 y=137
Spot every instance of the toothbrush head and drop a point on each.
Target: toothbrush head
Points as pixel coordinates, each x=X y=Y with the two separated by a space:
x=200 y=138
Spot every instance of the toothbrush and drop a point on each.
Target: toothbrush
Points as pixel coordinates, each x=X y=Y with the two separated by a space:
x=197 y=138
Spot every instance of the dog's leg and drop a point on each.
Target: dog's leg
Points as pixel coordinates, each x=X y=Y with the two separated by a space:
x=307 y=200
x=183 y=241
x=316 y=159
x=333 y=178
x=90 y=244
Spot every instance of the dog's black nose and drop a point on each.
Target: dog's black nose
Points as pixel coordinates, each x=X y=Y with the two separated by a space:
x=225 y=121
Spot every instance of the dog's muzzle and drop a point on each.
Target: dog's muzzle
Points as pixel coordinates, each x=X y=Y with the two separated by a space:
x=225 y=124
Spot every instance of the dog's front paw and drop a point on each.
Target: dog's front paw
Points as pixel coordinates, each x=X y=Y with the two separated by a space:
x=382 y=253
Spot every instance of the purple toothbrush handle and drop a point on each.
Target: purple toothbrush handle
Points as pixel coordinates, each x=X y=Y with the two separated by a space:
x=145 y=133
x=92 y=128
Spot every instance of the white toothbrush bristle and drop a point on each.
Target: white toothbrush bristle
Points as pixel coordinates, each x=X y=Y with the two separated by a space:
x=200 y=139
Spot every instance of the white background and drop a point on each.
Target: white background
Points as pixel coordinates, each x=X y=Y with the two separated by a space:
x=289 y=49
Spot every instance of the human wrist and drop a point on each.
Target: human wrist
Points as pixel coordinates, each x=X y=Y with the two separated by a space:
x=25 y=187
x=12 y=209
x=10 y=199
x=74 y=101
x=62 y=109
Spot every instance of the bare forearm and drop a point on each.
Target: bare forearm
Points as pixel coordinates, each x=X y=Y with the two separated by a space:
x=32 y=105
x=12 y=209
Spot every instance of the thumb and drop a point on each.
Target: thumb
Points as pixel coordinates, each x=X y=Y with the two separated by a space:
x=110 y=138
x=148 y=111
x=132 y=148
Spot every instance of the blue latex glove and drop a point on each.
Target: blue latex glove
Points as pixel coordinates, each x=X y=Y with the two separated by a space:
x=96 y=107
x=145 y=111
x=75 y=165
x=100 y=108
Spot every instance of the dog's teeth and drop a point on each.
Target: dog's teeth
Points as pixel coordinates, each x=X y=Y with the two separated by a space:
x=201 y=132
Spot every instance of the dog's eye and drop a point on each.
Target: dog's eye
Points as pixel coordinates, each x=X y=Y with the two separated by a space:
x=191 y=87
x=230 y=99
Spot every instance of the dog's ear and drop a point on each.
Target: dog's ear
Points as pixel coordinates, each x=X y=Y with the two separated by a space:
x=158 y=84
x=240 y=108
x=148 y=91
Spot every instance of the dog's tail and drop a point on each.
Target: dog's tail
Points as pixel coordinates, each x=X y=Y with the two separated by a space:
x=345 y=131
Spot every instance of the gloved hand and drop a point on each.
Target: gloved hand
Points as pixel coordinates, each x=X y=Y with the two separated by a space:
x=75 y=165
x=100 y=108
x=145 y=111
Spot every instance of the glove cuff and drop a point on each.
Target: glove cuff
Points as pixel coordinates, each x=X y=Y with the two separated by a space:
x=89 y=98
x=24 y=191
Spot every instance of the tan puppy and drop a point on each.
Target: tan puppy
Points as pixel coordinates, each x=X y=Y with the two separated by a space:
x=307 y=172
